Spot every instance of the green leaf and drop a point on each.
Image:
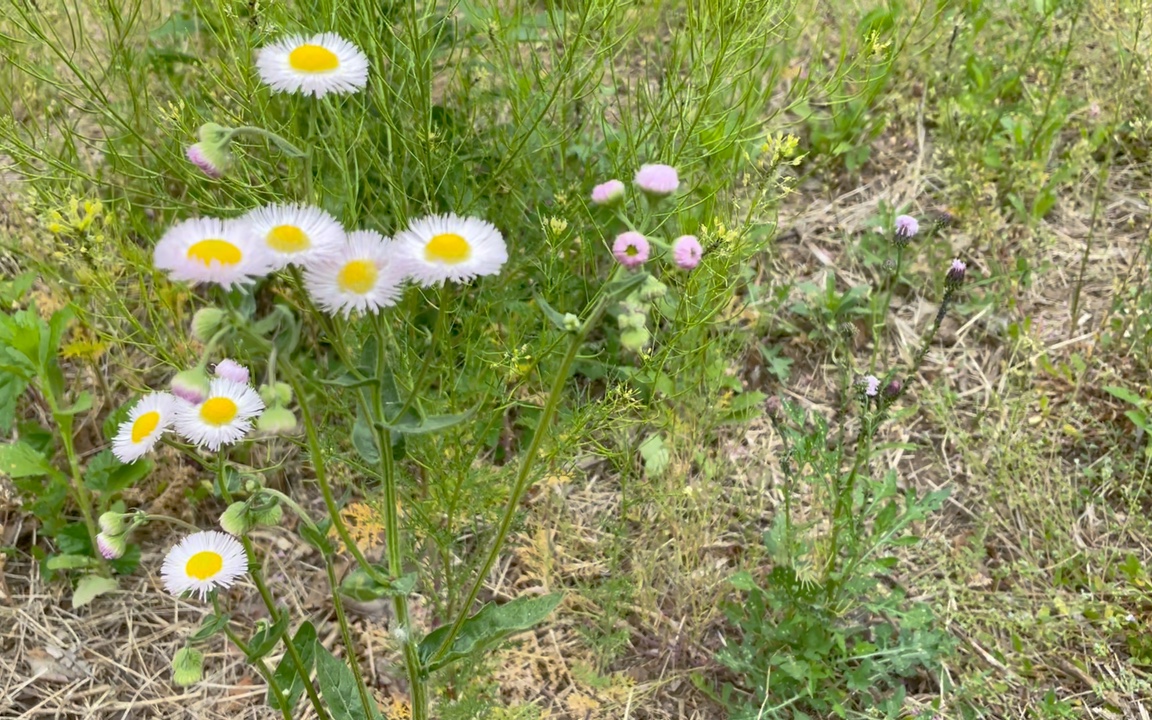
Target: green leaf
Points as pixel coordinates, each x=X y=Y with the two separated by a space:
x=105 y=474
x=625 y=285
x=432 y=423
x=267 y=636
x=69 y=562
x=359 y=585
x=364 y=440
x=211 y=625
x=743 y=581
x=338 y=686
x=83 y=403
x=486 y=628
x=1125 y=394
x=656 y=455
x=90 y=587
x=11 y=388
x=285 y=674
x=20 y=459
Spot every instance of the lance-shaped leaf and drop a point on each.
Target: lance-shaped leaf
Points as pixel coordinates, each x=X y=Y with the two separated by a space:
x=486 y=628
x=359 y=585
x=266 y=637
x=432 y=423
x=338 y=686
x=285 y=675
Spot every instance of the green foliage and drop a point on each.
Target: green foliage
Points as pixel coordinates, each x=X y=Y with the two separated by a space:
x=485 y=629
x=338 y=687
x=285 y=675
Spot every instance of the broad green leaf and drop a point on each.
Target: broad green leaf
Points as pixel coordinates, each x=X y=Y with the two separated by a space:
x=656 y=455
x=338 y=687
x=82 y=404
x=285 y=674
x=12 y=386
x=105 y=474
x=486 y=628
x=90 y=587
x=20 y=459
x=364 y=440
x=743 y=581
x=69 y=562
x=267 y=636
x=1139 y=419
x=1126 y=395
x=432 y=423
x=359 y=585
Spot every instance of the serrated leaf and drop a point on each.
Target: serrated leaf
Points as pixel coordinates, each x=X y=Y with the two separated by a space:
x=106 y=474
x=338 y=687
x=90 y=587
x=285 y=674
x=359 y=585
x=19 y=459
x=656 y=455
x=486 y=628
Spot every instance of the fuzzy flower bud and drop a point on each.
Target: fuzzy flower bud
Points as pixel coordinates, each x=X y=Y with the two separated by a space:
x=635 y=339
x=191 y=385
x=906 y=227
x=112 y=523
x=206 y=322
x=232 y=370
x=187 y=666
x=235 y=519
x=276 y=420
x=651 y=289
x=631 y=320
x=871 y=385
x=269 y=516
x=571 y=322
x=111 y=547
x=212 y=160
x=955 y=276
x=607 y=193
x=893 y=388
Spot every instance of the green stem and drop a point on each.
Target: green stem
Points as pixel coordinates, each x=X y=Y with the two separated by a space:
x=261 y=666
x=416 y=675
x=76 y=479
x=418 y=381
x=524 y=474
x=346 y=634
x=877 y=328
x=269 y=602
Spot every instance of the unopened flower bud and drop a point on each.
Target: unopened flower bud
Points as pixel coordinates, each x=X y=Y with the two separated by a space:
x=607 y=193
x=955 y=276
x=631 y=320
x=187 y=666
x=191 y=385
x=651 y=289
x=571 y=322
x=893 y=388
x=111 y=547
x=269 y=516
x=276 y=420
x=206 y=322
x=112 y=523
x=235 y=520
x=635 y=339
x=232 y=370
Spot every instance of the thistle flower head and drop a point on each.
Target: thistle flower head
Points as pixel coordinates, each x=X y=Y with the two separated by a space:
x=871 y=385
x=906 y=226
x=955 y=276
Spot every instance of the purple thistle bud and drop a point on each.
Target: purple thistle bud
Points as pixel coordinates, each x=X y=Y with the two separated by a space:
x=955 y=276
x=907 y=226
x=893 y=388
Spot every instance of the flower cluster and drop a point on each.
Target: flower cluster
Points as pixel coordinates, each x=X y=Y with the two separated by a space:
x=208 y=412
x=344 y=272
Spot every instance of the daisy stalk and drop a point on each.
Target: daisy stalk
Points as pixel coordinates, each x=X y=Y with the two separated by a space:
x=261 y=666
x=254 y=569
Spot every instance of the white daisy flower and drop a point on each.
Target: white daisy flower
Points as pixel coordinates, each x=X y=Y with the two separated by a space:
x=447 y=247
x=224 y=417
x=209 y=250
x=365 y=275
x=202 y=562
x=147 y=421
x=322 y=64
x=295 y=233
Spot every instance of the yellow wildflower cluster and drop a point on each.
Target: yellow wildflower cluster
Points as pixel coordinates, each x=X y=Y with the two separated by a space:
x=364 y=525
x=77 y=219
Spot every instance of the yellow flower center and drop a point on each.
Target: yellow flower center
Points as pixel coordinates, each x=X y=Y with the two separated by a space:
x=313 y=59
x=204 y=565
x=144 y=425
x=448 y=248
x=218 y=411
x=631 y=251
x=288 y=239
x=358 y=276
x=215 y=250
